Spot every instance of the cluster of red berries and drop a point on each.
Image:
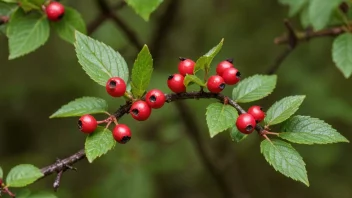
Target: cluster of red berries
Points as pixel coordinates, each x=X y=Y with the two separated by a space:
x=246 y=122
x=226 y=74
x=140 y=110
x=54 y=11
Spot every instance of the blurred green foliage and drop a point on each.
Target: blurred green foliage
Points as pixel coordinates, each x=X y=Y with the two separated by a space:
x=161 y=160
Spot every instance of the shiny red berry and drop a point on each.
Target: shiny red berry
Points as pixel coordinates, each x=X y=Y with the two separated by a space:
x=186 y=66
x=55 y=11
x=122 y=133
x=155 y=98
x=231 y=76
x=245 y=123
x=87 y=124
x=215 y=84
x=222 y=66
x=140 y=110
x=175 y=83
x=257 y=112
x=116 y=87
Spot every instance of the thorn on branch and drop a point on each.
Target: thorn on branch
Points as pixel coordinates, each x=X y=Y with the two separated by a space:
x=63 y=168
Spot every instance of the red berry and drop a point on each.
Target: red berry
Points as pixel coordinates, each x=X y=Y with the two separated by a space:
x=222 y=66
x=155 y=98
x=245 y=123
x=87 y=123
x=55 y=11
x=175 y=83
x=140 y=110
x=231 y=76
x=215 y=84
x=257 y=112
x=1 y=182
x=116 y=87
x=186 y=66
x=122 y=134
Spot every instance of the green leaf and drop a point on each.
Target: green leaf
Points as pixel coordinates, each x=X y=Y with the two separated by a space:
x=100 y=61
x=283 y=109
x=203 y=63
x=26 y=32
x=1 y=173
x=320 y=12
x=10 y=1
x=23 y=175
x=144 y=7
x=193 y=79
x=28 y=5
x=307 y=130
x=98 y=143
x=71 y=21
x=236 y=135
x=7 y=8
x=342 y=53
x=220 y=117
x=295 y=5
x=304 y=18
x=285 y=159
x=141 y=72
x=254 y=88
x=82 y=106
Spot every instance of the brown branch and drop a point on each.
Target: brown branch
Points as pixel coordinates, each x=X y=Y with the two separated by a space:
x=62 y=165
x=307 y=35
x=4 y=19
x=292 y=40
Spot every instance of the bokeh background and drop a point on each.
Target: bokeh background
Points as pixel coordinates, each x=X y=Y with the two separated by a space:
x=163 y=160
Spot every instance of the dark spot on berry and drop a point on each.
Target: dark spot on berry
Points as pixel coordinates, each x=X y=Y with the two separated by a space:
x=152 y=98
x=261 y=108
x=125 y=139
x=61 y=16
x=135 y=112
x=249 y=128
x=170 y=77
x=230 y=60
x=182 y=59
x=238 y=74
x=222 y=86
x=79 y=124
x=112 y=84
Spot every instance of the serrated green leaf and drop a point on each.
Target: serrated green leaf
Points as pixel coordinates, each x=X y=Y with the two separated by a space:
x=26 y=32
x=254 y=88
x=193 y=79
x=307 y=130
x=100 y=61
x=342 y=53
x=144 y=7
x=320 y=12
x=285 y=159
x=98 y=143
x=1 y=173
x=82 y=106
x=71 y=21
x=23 y=175
x=42 y=195
x=295 y=5
x=220 y=117
x=236 y=135
x=6 y=9
x=204 y=61
x=141 y=72
x=283 y=109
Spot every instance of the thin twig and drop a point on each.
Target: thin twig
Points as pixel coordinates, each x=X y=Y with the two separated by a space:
x=124 y=109
x=307 y=35
x=291 y=45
